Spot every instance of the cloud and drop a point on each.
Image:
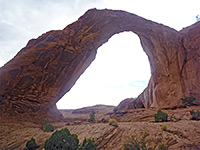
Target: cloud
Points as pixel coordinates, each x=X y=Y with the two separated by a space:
x=22 y=20
x=139 y=83
x=176 y=14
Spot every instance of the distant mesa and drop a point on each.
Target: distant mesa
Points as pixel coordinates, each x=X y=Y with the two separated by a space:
x=96 y=109
x=42 y=72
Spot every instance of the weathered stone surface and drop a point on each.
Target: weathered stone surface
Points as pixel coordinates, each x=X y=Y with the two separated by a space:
x=177 y=68
x=130 y=103
x=42 y=72
x=134 y=122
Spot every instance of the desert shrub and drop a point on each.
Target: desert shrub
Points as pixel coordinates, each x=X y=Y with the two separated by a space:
x=195 y=115
x=47 y=127
x=103 y=120
x=164 y=127
x=191 y=112
x=62 y=139
x=162 y=147
x=115 y=110
x=88 y=144
x=92 y=117
x=31 y=145
x=188 y=100
x=113 y=122
x=132 y=143
x=160 y=116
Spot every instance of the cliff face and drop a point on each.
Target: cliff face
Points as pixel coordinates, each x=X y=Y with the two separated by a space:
x=43 y=71
x=175 y=68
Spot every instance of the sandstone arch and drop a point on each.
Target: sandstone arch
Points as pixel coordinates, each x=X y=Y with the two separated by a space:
x=42 y=72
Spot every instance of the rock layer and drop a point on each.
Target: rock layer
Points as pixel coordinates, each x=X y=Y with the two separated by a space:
x=47 y=68
x=130 y=103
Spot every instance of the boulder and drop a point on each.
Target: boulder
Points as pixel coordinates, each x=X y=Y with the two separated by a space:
x=130 y=103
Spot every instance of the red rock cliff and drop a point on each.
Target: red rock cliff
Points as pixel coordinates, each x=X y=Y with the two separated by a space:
x=47 y=68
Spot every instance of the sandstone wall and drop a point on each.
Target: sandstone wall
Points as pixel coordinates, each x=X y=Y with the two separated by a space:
x=47 y=68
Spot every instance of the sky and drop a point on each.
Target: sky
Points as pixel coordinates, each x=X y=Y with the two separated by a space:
x=121 y=68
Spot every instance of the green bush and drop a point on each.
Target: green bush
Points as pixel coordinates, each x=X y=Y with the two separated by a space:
x=115 y=110
x=47 y=127
x=164 y=128
x=188 y=100
x=88 y=144
x=162 y=147
x=113 y=122
x=31 y=145
x=92 y=117
x=160 y=116
x=191 y=112
x=103 y=120
x=62 y=140
x=133 y=143
x=195 y=115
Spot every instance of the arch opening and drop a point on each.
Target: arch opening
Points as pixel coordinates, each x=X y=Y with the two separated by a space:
x=120 y=70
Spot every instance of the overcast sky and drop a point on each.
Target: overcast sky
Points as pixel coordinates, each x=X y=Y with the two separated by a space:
x=121 y=68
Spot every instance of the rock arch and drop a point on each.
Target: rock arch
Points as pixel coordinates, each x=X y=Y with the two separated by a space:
x=43 y=71
x=116 y=65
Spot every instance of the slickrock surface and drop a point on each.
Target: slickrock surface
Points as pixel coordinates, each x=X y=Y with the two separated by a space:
x=47 y=68
x=182 y=133
x=82 y=114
